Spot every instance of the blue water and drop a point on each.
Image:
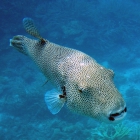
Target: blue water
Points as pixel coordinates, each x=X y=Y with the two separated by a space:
x=107 y=30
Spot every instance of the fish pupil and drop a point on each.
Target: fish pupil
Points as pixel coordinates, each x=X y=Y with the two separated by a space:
x=80 y=90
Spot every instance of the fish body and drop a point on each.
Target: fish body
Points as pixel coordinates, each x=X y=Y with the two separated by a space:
x=79 y=81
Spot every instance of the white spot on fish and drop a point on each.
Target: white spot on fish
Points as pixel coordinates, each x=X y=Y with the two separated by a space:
x=88 y=76
x=82 y=64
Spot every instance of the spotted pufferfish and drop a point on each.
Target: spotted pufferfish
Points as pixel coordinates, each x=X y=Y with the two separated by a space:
x=79 y=81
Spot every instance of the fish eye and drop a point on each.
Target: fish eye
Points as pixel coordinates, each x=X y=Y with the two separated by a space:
x=84 y=90
x=80 y=90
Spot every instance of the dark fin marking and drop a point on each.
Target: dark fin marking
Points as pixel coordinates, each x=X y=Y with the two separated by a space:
x=64 y=90
x=30 y=28
x=54 y=101
x=62 y=96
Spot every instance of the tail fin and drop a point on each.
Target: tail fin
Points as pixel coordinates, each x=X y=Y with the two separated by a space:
x=30 y=28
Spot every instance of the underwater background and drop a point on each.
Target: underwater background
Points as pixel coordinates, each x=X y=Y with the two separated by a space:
x=107 y=30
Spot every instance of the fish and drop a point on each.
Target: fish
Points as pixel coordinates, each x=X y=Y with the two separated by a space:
x=79 y=82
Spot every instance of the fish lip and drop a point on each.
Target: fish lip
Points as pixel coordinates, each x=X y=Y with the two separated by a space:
x=118 y=115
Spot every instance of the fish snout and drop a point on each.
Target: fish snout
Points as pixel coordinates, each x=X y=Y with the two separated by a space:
x=117 y=114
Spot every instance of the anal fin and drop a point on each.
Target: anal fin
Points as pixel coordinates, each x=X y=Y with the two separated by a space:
x=54 y=101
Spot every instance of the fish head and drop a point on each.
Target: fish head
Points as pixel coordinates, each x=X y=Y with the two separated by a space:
x=97 y=97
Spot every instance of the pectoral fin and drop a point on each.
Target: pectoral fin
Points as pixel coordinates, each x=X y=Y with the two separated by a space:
x=54 y=101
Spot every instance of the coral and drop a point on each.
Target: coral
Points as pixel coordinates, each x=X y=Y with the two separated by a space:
x=137 y=132
x=111 y=132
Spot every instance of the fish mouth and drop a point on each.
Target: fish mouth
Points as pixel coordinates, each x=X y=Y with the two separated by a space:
x=118 y=115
